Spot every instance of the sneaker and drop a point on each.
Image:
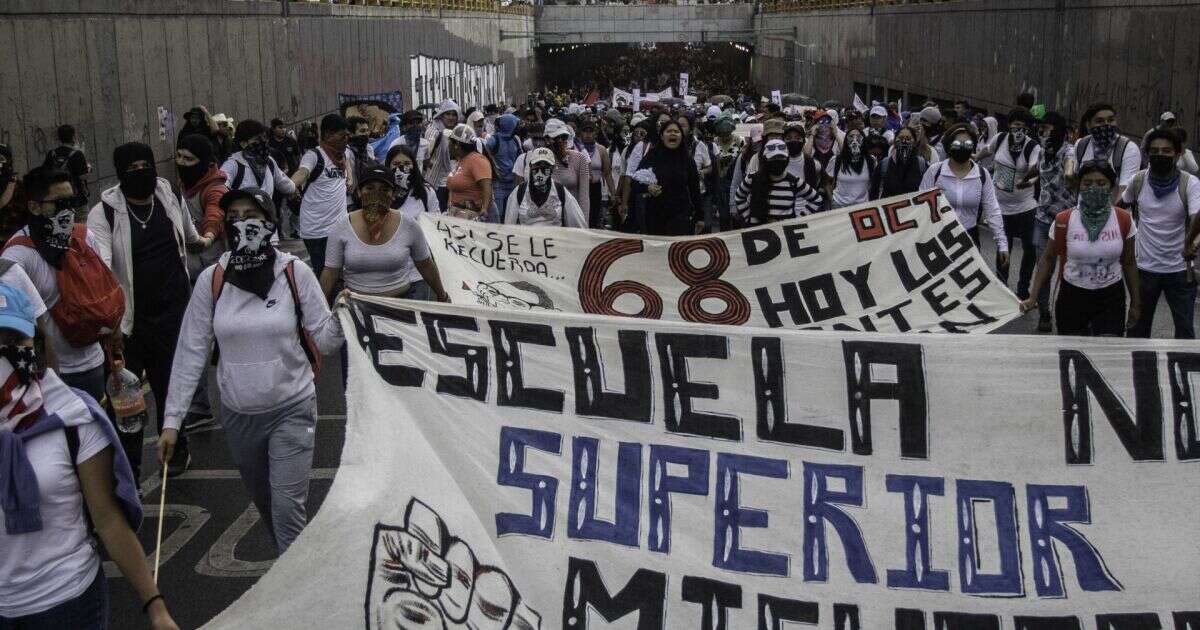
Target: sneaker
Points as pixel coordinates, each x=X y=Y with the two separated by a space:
x=179 y=463
x=1044 y=323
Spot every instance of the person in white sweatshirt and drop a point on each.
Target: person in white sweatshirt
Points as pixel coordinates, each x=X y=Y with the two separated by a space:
x=265 y=311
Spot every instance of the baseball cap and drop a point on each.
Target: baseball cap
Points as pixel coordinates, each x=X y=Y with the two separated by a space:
x=257 y=195
x=1167 y=116
x=16 y=313
x=463 y=133
x=931 y=115
x=879 y=110
x=378 y=174
x=540 y=155
x=637 y=118
x=556 y=128
x=772 y=126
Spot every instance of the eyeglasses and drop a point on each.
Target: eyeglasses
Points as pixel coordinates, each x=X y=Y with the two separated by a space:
x=67 y=203
x=962 y=144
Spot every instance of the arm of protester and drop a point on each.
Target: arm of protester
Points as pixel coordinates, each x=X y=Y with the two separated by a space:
x=512 y=210
x=43 y=342
x=418 y=248
x=329 y=279
x=191 y=352
x=7 y=194
x=606 y=170
x=1129 y=269
x=97 y=227
x=573 y=215
x=1131 y=162
x=741 y=197
x=213 y=224
x=1041 y=275
x=429 y=272
x=325 y=329
x=122 y=545
x=229 y=168
x=283 y=184
x=991 y=213
x=1189 y=241
x=307 y=163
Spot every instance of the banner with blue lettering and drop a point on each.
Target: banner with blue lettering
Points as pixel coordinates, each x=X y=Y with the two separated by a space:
x=902 y=264
x=512 y=470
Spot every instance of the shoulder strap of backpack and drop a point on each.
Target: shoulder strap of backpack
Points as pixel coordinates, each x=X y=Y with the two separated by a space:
x=218 y=282
x=521 y=191
x=314 y=359
x=5 y=265
x=238 y=177
x=1030 y=145
x=1083 y=145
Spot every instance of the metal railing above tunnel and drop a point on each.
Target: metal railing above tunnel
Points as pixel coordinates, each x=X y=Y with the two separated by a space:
x=645 y=23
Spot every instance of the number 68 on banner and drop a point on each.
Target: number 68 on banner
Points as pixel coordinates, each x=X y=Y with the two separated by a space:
x=703 y=283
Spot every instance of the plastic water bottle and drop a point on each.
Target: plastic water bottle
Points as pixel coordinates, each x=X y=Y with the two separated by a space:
x=128 y=401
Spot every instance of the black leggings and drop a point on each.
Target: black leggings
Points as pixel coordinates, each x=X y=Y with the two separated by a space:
x=1090 y=312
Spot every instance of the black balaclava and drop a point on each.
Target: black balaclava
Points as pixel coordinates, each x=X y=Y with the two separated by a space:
x=202 y=148
x=140 y=183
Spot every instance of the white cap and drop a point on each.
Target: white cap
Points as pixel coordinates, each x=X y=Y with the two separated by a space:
x=1167 y=116
x=637 y=118
x=475 y=117
x=713 y=111
x=556 y=128
x=879 y=110
x=463 y=133
x=775 y=148
x=541 y=154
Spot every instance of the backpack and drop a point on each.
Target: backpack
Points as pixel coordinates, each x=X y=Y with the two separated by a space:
x=1027 y=150
x=983 y=181
x=91 y=302
x=59 y=159
x=306 y=341
x=318 y=171
x=562 y=197
x=1117 y=154
x=1062 y=219
x=1139 y=180
x=240 y=175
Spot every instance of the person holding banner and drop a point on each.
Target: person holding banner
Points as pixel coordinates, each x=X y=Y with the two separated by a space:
x=968 y=188
x=65 y=478
x=265 y=313
x=1093 y=246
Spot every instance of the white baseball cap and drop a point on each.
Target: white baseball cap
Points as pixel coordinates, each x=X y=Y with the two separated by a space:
x=1167 y=116
x=879 y=110
x=541 y=155
x=556 y=128
x=463 y=133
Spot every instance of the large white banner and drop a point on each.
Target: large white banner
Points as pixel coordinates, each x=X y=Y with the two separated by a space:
x=509 y=470
x=897 y=265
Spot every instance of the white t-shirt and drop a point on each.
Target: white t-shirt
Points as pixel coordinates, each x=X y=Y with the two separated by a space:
x=635 y=159
x=851 y=187
x=42 y=283
x=1160 y=245
x=1007 y=173
x=1129 y=162
x=43 y=569
x=518 y=168
x=412 y=207
x=1095 y=264
x=324 y=202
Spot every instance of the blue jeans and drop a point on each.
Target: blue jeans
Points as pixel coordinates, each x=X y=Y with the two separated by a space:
x=1181 y=299
x=500 y=191
x=1041 y=236
x=89 y=611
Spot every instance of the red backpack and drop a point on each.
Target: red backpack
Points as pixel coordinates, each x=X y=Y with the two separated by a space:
x=90 y=300
x=1062 y=219
x=306 y=341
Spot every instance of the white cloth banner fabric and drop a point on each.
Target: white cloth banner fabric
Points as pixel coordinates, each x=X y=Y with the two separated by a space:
x=683 y=84
x=637 y=99
x=554 y=471
x=861 y=107
x=896 y=265
x=621 y=98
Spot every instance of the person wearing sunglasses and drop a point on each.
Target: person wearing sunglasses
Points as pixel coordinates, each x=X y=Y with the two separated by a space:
x=968 y=187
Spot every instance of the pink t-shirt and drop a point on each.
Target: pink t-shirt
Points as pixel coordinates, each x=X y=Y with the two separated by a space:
x=463 y=183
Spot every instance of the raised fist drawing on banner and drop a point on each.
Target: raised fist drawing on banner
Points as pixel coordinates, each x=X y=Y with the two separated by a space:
x=424 y=577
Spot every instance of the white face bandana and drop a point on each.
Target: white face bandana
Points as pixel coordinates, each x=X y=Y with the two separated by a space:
x=251 y=234
x=539 y=178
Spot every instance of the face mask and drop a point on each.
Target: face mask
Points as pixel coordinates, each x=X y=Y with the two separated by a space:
x=23 y=361
x=247 y=236
x=904 y=150
x=376 y=201
x=1162 y=164
x=251 y=265
x=795 y=147
x=256 y=151
x=189 y=176
x=1104 y=135
x=138 y=184
x=776 y=167
x=961 y=151
x=539 y=178
x=400 y=175
x=1093 y=198
x=1018 y=137
x=52 y=235
x=359 y=143
x=855 y=148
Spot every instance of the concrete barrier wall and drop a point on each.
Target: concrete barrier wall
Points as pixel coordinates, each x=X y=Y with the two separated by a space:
x=106 y=66
x=641 y=23
x=1141 y=55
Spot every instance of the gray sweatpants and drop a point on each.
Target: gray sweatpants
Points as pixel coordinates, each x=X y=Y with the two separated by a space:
x=274 y=453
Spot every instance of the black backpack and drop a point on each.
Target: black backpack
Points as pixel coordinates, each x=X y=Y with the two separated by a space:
x=240 y=175
x=318 y=171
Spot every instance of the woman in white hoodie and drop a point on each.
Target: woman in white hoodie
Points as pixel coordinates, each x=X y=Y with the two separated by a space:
x=270 y=322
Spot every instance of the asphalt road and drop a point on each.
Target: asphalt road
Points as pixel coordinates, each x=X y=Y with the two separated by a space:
x=214 y=547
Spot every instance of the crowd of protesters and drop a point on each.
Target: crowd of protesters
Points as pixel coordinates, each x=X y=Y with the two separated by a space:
x=191 y=270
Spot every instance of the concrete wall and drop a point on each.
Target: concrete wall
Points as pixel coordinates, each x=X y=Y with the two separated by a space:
x=1142 y=55
x=106 y=66
x=640 y=23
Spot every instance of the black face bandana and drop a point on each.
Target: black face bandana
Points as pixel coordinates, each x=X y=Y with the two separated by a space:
x=52 y=235
x=189 y=176
x=139 y=183
x=251 y=265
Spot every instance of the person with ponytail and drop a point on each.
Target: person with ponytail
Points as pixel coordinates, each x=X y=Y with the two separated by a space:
x=1093 y=247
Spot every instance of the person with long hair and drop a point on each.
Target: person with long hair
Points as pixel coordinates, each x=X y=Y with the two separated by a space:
x=853 y=176
x=668 y=171
x=1095 y=242
x=968 y=187
x=900 y=172
x=771 y=193
x=824 y=145
x=413 y=195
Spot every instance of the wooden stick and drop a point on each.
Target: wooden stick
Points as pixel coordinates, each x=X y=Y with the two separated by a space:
x=162 y=515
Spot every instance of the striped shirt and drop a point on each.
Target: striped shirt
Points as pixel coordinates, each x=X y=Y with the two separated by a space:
x=789 y=198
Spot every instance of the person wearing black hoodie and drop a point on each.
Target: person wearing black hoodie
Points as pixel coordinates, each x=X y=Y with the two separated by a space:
x=197 y=120
x=672 y=185
x=900 y=173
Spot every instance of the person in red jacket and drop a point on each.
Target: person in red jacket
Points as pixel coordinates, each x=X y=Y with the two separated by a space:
x=203 y=185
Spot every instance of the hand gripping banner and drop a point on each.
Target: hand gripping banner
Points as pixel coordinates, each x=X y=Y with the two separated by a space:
x=514 y=470
x=903 y=264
